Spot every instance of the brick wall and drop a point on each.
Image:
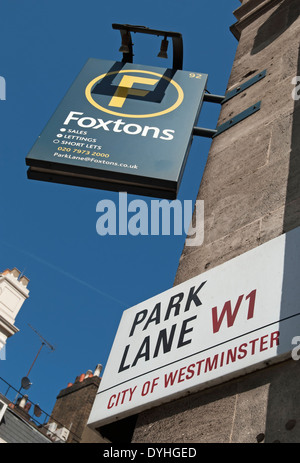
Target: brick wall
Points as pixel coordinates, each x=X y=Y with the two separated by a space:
x=73 y=406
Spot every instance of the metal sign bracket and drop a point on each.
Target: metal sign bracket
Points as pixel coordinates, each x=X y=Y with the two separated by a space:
x=236 y=91
x=210 y=133
x=126 y=29
x=221 y=99
x=238 y=118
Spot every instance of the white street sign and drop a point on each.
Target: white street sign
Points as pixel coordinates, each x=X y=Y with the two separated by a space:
x=232 y=319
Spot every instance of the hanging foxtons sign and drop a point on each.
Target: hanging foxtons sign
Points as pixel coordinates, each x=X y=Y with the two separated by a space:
x=122 y=127
x=235 y=318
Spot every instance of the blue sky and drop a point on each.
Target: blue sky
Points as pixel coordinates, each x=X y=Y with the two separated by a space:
x=81 y=282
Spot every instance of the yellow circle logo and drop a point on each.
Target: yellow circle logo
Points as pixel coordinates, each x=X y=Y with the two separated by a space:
x=125 y=88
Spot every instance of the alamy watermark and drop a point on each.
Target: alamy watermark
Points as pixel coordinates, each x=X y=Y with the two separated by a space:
x=296 y=350
x=2 y=88
x=160 y=217
x=296 y=90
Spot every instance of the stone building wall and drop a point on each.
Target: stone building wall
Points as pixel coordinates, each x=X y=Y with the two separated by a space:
x=251 y=195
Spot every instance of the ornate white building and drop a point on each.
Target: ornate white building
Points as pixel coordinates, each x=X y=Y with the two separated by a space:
x=13 y=292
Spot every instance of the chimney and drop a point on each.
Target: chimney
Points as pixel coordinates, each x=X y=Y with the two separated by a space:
x=27 y=407
x=24 y=281
x=98 y=370
x=23 y=401
x=73 y=406
x=15 y=272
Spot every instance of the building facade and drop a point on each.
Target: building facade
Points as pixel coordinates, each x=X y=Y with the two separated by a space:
x=17 y=426
x=13 y=293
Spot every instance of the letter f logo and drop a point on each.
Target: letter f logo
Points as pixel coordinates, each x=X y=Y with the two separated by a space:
x=115 y=104
x=125 y=88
